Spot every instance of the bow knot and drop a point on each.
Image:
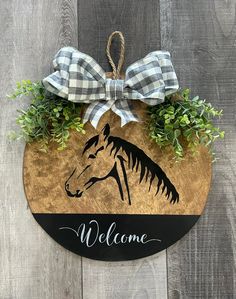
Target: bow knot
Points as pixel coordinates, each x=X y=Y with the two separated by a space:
x=114 y=89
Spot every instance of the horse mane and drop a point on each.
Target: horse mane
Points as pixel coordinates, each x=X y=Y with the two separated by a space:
x=138 y=160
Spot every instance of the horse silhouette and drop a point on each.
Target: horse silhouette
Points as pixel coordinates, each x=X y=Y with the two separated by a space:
x=126 y=156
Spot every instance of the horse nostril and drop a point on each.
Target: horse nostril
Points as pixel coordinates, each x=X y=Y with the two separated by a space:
x=79 y=193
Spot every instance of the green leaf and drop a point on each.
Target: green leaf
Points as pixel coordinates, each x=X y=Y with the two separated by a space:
x=43 y=120
x=177 y=133
x=184 y=123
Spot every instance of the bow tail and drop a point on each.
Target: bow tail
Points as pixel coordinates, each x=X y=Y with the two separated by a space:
x=124 y=109
x=121 y=107
x=95 y=111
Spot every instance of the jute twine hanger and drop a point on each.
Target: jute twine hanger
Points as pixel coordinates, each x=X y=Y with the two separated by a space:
x=116 y=71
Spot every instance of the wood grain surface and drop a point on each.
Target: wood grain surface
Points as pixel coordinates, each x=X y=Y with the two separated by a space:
x=201 y=37
x=31 y=264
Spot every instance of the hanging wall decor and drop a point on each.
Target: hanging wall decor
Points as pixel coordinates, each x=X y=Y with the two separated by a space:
x=111 y=192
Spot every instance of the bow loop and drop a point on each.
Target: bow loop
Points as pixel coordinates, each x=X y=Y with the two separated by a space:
x=77 y=77
x=152 y=78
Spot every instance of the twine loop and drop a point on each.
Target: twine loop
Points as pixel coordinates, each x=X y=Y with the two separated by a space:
x=116 y=70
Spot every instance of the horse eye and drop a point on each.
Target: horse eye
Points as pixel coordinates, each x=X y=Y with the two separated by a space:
x=91 y=156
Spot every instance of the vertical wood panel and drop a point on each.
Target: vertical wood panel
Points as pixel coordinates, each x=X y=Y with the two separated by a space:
x=32 y=265
x=139 y=279
x=201 y=36
x=139 y=21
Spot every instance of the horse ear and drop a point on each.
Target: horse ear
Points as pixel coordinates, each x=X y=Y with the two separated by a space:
x=106 y=131
x=92 y=141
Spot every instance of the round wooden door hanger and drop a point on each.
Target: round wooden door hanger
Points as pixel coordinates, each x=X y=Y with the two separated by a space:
x=113 y=194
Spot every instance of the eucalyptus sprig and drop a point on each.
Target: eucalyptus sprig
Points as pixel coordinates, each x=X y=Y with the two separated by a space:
x=48 y=118
x=181 y=120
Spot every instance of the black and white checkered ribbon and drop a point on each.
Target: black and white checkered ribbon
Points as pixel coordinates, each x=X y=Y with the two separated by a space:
x=79 y=78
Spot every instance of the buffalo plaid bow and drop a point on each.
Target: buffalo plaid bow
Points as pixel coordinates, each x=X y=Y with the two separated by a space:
x=79 y=78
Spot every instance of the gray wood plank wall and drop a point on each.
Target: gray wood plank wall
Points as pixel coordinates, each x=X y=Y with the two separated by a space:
x=201 y=37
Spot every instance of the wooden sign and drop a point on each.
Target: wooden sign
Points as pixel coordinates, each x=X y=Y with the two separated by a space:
x=113 y=194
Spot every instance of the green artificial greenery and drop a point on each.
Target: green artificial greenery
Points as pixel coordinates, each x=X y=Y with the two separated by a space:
x=177 y=122
x=48 y=118
x=181 y=121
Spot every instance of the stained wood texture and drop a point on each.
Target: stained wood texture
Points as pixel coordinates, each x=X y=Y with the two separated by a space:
x=201 y=37
x=45 y=175
x=31 y=264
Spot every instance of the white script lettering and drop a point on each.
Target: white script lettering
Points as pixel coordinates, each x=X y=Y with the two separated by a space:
x=91 y=234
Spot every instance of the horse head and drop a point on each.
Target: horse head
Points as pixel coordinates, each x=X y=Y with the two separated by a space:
x=96 y=169
x=110 y=156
